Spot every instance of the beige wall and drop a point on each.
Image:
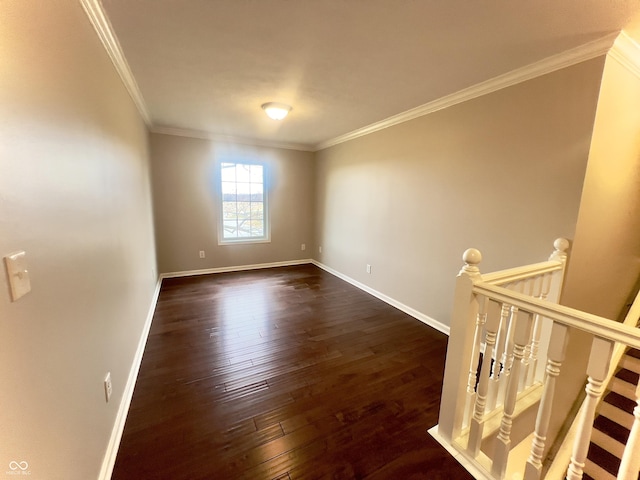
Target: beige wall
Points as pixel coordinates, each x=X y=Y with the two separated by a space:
x=502 y=173
x=604 y=266
x=186 y=207
x=607 y=240
x=75 y=194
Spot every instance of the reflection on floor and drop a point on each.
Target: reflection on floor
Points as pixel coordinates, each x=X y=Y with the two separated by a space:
x=284 y=373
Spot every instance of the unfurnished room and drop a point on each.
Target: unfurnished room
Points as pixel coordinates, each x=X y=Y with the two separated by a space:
x=319 y=239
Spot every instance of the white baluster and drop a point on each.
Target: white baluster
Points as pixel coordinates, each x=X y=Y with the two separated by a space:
x=531 y=285
x=597 y=369
x=502 y=447
x=630 y=464
x=546 y=285
x=481 y=318
x=532 y=361
x=498 y=366
x=531 y=349
x=508 y=361
x=507 y=358
x=538 y=354
x=477 y=421
x=557 y=349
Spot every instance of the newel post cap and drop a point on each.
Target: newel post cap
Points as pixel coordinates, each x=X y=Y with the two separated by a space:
x=471 y=258
x=561 y=246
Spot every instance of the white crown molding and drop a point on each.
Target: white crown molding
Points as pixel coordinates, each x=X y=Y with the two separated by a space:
x=102 y=26
x=627 y=52
x=184 y=132
x=551 y=64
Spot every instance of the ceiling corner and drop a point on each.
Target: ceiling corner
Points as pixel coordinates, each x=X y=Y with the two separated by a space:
x=626 y=50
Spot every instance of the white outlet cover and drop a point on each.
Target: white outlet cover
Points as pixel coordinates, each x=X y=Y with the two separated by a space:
x=18 y=274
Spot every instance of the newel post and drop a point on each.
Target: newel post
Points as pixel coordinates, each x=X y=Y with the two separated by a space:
x=561 y=245
x=460 y=348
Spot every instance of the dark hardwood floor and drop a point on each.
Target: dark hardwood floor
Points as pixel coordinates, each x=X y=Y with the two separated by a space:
x=286 y=373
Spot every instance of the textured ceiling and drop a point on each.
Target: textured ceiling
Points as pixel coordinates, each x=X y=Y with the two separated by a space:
x=208 y=65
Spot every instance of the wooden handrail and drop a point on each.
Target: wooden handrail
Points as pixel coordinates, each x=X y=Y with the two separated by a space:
x=559 y=465
x=520 y=273
x=594 y=324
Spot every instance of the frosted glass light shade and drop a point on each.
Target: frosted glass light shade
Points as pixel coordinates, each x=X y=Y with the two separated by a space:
x=275 y=110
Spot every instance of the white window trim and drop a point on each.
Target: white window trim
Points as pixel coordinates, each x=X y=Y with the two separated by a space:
x=267 y=224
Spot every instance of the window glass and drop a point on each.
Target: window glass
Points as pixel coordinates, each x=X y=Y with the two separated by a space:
x=243 y=202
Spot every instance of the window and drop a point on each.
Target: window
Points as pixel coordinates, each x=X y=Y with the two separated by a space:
x=244 y=205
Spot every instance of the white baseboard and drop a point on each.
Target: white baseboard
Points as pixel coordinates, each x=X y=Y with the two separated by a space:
x=235 y=268
x=432 y=322
x=109 y=459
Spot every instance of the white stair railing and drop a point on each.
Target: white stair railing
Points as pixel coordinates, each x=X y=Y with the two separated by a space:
x=629 y=466
x=507 y=320
x=467 y=326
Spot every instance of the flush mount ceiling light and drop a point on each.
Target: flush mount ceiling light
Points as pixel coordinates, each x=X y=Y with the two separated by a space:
x=275 y=110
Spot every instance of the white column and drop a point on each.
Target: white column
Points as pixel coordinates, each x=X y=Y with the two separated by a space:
x=531 y=352
x=481 y=318
x=498 y=366
x=507 y=358
x=539 y=351
x=557 y=350
x=630 y=464
x=597 y=369
x=477 y=421
x=502 y=447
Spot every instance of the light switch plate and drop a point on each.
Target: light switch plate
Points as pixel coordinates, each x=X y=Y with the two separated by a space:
x=18 y=274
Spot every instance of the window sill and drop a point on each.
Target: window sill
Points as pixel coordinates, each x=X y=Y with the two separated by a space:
x=243 y=241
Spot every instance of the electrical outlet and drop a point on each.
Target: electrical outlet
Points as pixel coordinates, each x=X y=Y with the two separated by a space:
x=319 y=249
x=201 y=253
x=368 y=268
x=108 y=388
x=303 y=247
